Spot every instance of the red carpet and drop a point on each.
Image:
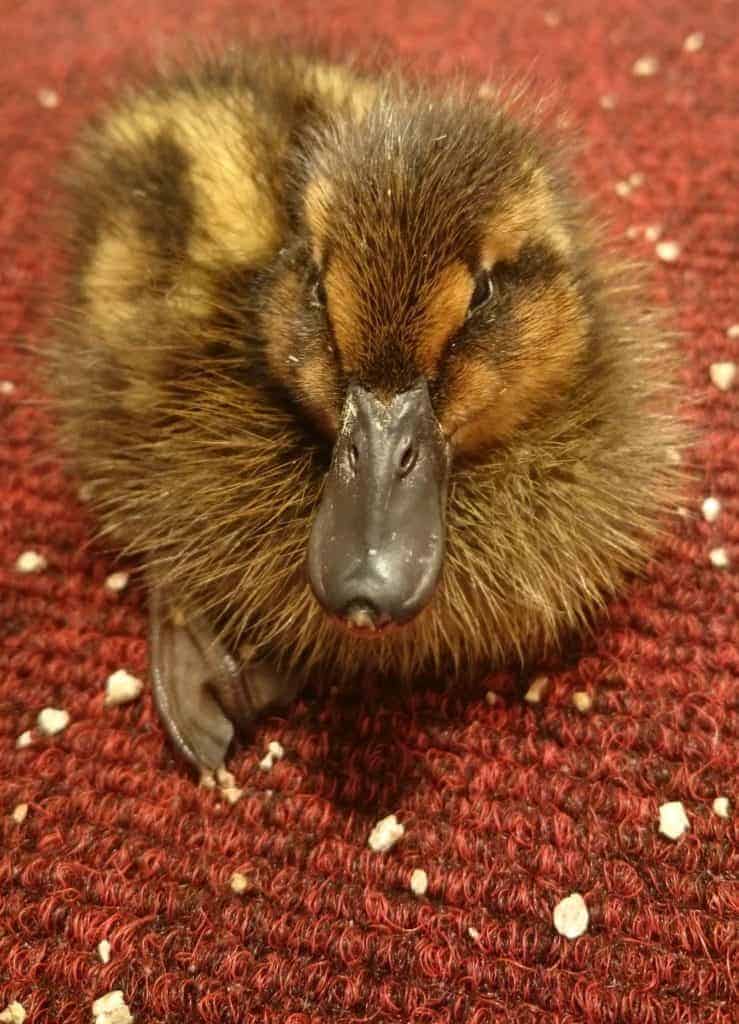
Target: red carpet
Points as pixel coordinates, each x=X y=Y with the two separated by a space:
x=509 y=807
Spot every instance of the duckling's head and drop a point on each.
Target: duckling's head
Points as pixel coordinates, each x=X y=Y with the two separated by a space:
x=432 y=302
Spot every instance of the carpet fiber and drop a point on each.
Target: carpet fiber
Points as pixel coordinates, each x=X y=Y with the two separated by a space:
x=508 y=806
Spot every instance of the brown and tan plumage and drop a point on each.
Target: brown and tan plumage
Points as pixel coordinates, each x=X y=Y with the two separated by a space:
x=343 y=364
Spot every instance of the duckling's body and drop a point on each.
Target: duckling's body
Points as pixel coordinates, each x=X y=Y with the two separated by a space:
x=327 y=320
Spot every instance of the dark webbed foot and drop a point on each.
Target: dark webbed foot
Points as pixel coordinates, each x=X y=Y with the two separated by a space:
x=201 y=692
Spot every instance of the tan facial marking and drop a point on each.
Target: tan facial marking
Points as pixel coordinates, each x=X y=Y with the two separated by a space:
x=318 y=200
x=345 y=314
x=445 y=311
x=531 y=212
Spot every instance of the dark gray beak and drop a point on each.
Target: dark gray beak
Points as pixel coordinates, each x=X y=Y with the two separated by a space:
x=377 y=544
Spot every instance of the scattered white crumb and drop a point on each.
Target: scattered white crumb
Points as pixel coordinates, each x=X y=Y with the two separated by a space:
x=722 y=375
x=30 y=561
x=732 y=331
x=385 y=834
x=682 y=511
x=491 y=698
x=719 y=558
x=582 y=701
x=693 y=42
x=673 y=820
x=24 y=740
x=14 y=1013
x=48 y=98
x=710 y=507
x=652 y=232
x=232 y=793
x=608 y=101
x=636 y=179
x=622 y=188
x=633 y=232
x=645 y=66
x=121 y=688
x=419 y=882
x=20 y=813
x=667 y=251
x=207 y=779
x=552 y=18
x=116 y=582
x=7 y=387
x=721 y=806
x=473 y=933
x=238 y=882
x=104 y=951
x=275 y=752
x=111 y=1009
x=536 y=690
x=52 y=720
x=571 y=917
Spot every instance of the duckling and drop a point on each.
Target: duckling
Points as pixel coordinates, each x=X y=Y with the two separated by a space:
x=342 y=362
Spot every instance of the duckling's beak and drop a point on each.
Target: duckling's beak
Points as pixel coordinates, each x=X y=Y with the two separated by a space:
x=377 y=544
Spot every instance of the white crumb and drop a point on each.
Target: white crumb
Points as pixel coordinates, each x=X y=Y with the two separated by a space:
x=693 y=42
x=473 y=933
x=552 y=18
x=645 y=66
x=52 y=720
x=636 y=179
x=633 y=232
x=275 y=752
x=24 y=740
x=719 y=558
x=667 y=251
x=419 y=882
x=732 y=331
x=608 y=101
x=239 y=883
x=722 y=375
x=207 y=779
x=682 y=511
x=111 y=1009
x=116 y=582
x=385 y=834
x=30 y=561
x=48 y=98
x=104 y=951
x=622 y=188
x=582 y=701
x=14 y=1013
x=20 y=813
x=652 y=232
x=491 y=698
x=721 y=806
x=673 y=820
x=225 y=778
x=7 y=387
x=536 y=690
x=571 y=917
x=710 y=507
x=232 y=793
x=121 y=688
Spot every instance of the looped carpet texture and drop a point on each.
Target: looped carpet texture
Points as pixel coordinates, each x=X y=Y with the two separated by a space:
x=508 y=806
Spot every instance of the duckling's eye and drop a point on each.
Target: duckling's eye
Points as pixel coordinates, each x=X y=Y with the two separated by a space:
x=483 y=293
x=317 y=291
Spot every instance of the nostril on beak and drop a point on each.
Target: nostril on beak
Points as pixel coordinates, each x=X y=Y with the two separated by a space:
x=363 y=615
x=407 y=459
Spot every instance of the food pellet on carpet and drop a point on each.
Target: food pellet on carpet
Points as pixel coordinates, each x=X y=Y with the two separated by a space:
x=20 y=813
x=30 y=561
x=232 y=794
x=722 y=375
x=419 y=882
x=721 y=806
x=24 y=740
x=636 y=179
x=693 y=42
x=207 y=779
x=111 y=1009
x=673 y=820
x=473 y=934
x=48 y=98
x=116 y=582
x=238 y=882
x=14 y=1013
x=571 y=916
x=7 y=387
x=719 y=558
x=50 y=721
x=710 y=507
x=536 y=690
x=385 y=834
x=104 y=951
x=582 y=701
x=667 y=251
x=622 y=188
x=608 y=101
x=121 y=688
x=645 y=66
x=732 y=331
x=652 y=232
x=275 y=752
x=492 y=698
